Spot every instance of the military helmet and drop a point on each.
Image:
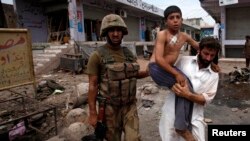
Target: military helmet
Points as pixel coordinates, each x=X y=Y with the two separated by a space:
x=112 y=20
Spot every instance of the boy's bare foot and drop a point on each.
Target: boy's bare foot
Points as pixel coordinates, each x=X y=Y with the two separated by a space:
x=186 y=134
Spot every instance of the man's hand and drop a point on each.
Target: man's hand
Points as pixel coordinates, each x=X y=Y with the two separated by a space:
x=215 y=67
x=182 y=91
x=93 y=119
x=180 y=79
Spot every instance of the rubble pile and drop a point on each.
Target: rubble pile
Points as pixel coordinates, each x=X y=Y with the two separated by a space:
x=24 y=118
x=239 y=75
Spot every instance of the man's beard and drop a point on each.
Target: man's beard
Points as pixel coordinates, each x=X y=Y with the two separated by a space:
x=203 y=62
x=111 y=43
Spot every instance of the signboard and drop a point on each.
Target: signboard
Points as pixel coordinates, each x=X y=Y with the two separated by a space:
x=227 y=2
x=76 y=23
x=143 y=5
x=16 y=63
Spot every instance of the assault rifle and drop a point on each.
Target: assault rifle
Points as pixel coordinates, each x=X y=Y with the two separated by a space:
x=100 y=130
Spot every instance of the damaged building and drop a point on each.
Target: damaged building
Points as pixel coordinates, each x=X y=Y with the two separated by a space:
x=64 y=20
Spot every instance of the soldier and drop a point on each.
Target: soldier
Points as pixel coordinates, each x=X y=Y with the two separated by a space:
x=113 y=73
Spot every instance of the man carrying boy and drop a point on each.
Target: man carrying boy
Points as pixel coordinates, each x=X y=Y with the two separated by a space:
x=205 y=83
x=167 y=49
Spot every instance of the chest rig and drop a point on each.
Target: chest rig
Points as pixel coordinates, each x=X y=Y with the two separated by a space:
x=117 y=82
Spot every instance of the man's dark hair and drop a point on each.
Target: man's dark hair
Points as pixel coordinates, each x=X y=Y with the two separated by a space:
x=211 y=43
x=171 y=9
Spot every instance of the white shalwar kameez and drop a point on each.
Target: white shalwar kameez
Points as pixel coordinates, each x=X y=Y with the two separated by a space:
x=205 y=82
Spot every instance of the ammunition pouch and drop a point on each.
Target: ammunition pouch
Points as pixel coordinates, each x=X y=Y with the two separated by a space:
x=132 y=89
x=131 y=69
x=119 y=92
x=116 y=71
x=118 y=79
x=120 y=71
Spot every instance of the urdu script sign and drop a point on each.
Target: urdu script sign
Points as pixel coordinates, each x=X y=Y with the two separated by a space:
x=16 y=63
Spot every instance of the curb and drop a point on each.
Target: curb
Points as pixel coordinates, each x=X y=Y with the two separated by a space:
x=228 y=60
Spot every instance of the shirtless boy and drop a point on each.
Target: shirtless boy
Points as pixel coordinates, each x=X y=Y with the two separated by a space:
x=167 y=48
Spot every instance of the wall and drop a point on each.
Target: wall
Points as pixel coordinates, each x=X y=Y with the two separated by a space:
x=10 y=16
x=132 y=22
x=238 y=23
x=98 y=13
x=234 y=51
x=234 y=26
x=133 y=29
x=31 y=16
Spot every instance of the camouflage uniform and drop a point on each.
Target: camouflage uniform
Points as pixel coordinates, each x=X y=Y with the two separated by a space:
x=117 y=71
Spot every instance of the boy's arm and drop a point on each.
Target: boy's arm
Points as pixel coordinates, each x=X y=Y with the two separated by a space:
x=192 y=42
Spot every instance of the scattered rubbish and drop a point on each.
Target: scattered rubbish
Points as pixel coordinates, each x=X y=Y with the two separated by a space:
x=17 y=130
x=245 y=111
x=147 y=103
x=149 y=89
x=208 y=120
x=72 y=62
x=46 y=76
x=57 y=92
x=48 y=87
x=5 y=113
x=234 y=109
x=239 y=75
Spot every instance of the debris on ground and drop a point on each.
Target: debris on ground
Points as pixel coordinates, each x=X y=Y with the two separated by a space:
x=147 y=89
x=147 y=103
x=48 y=87
x=235 y=109
x=208 y=120
x=239 y=75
